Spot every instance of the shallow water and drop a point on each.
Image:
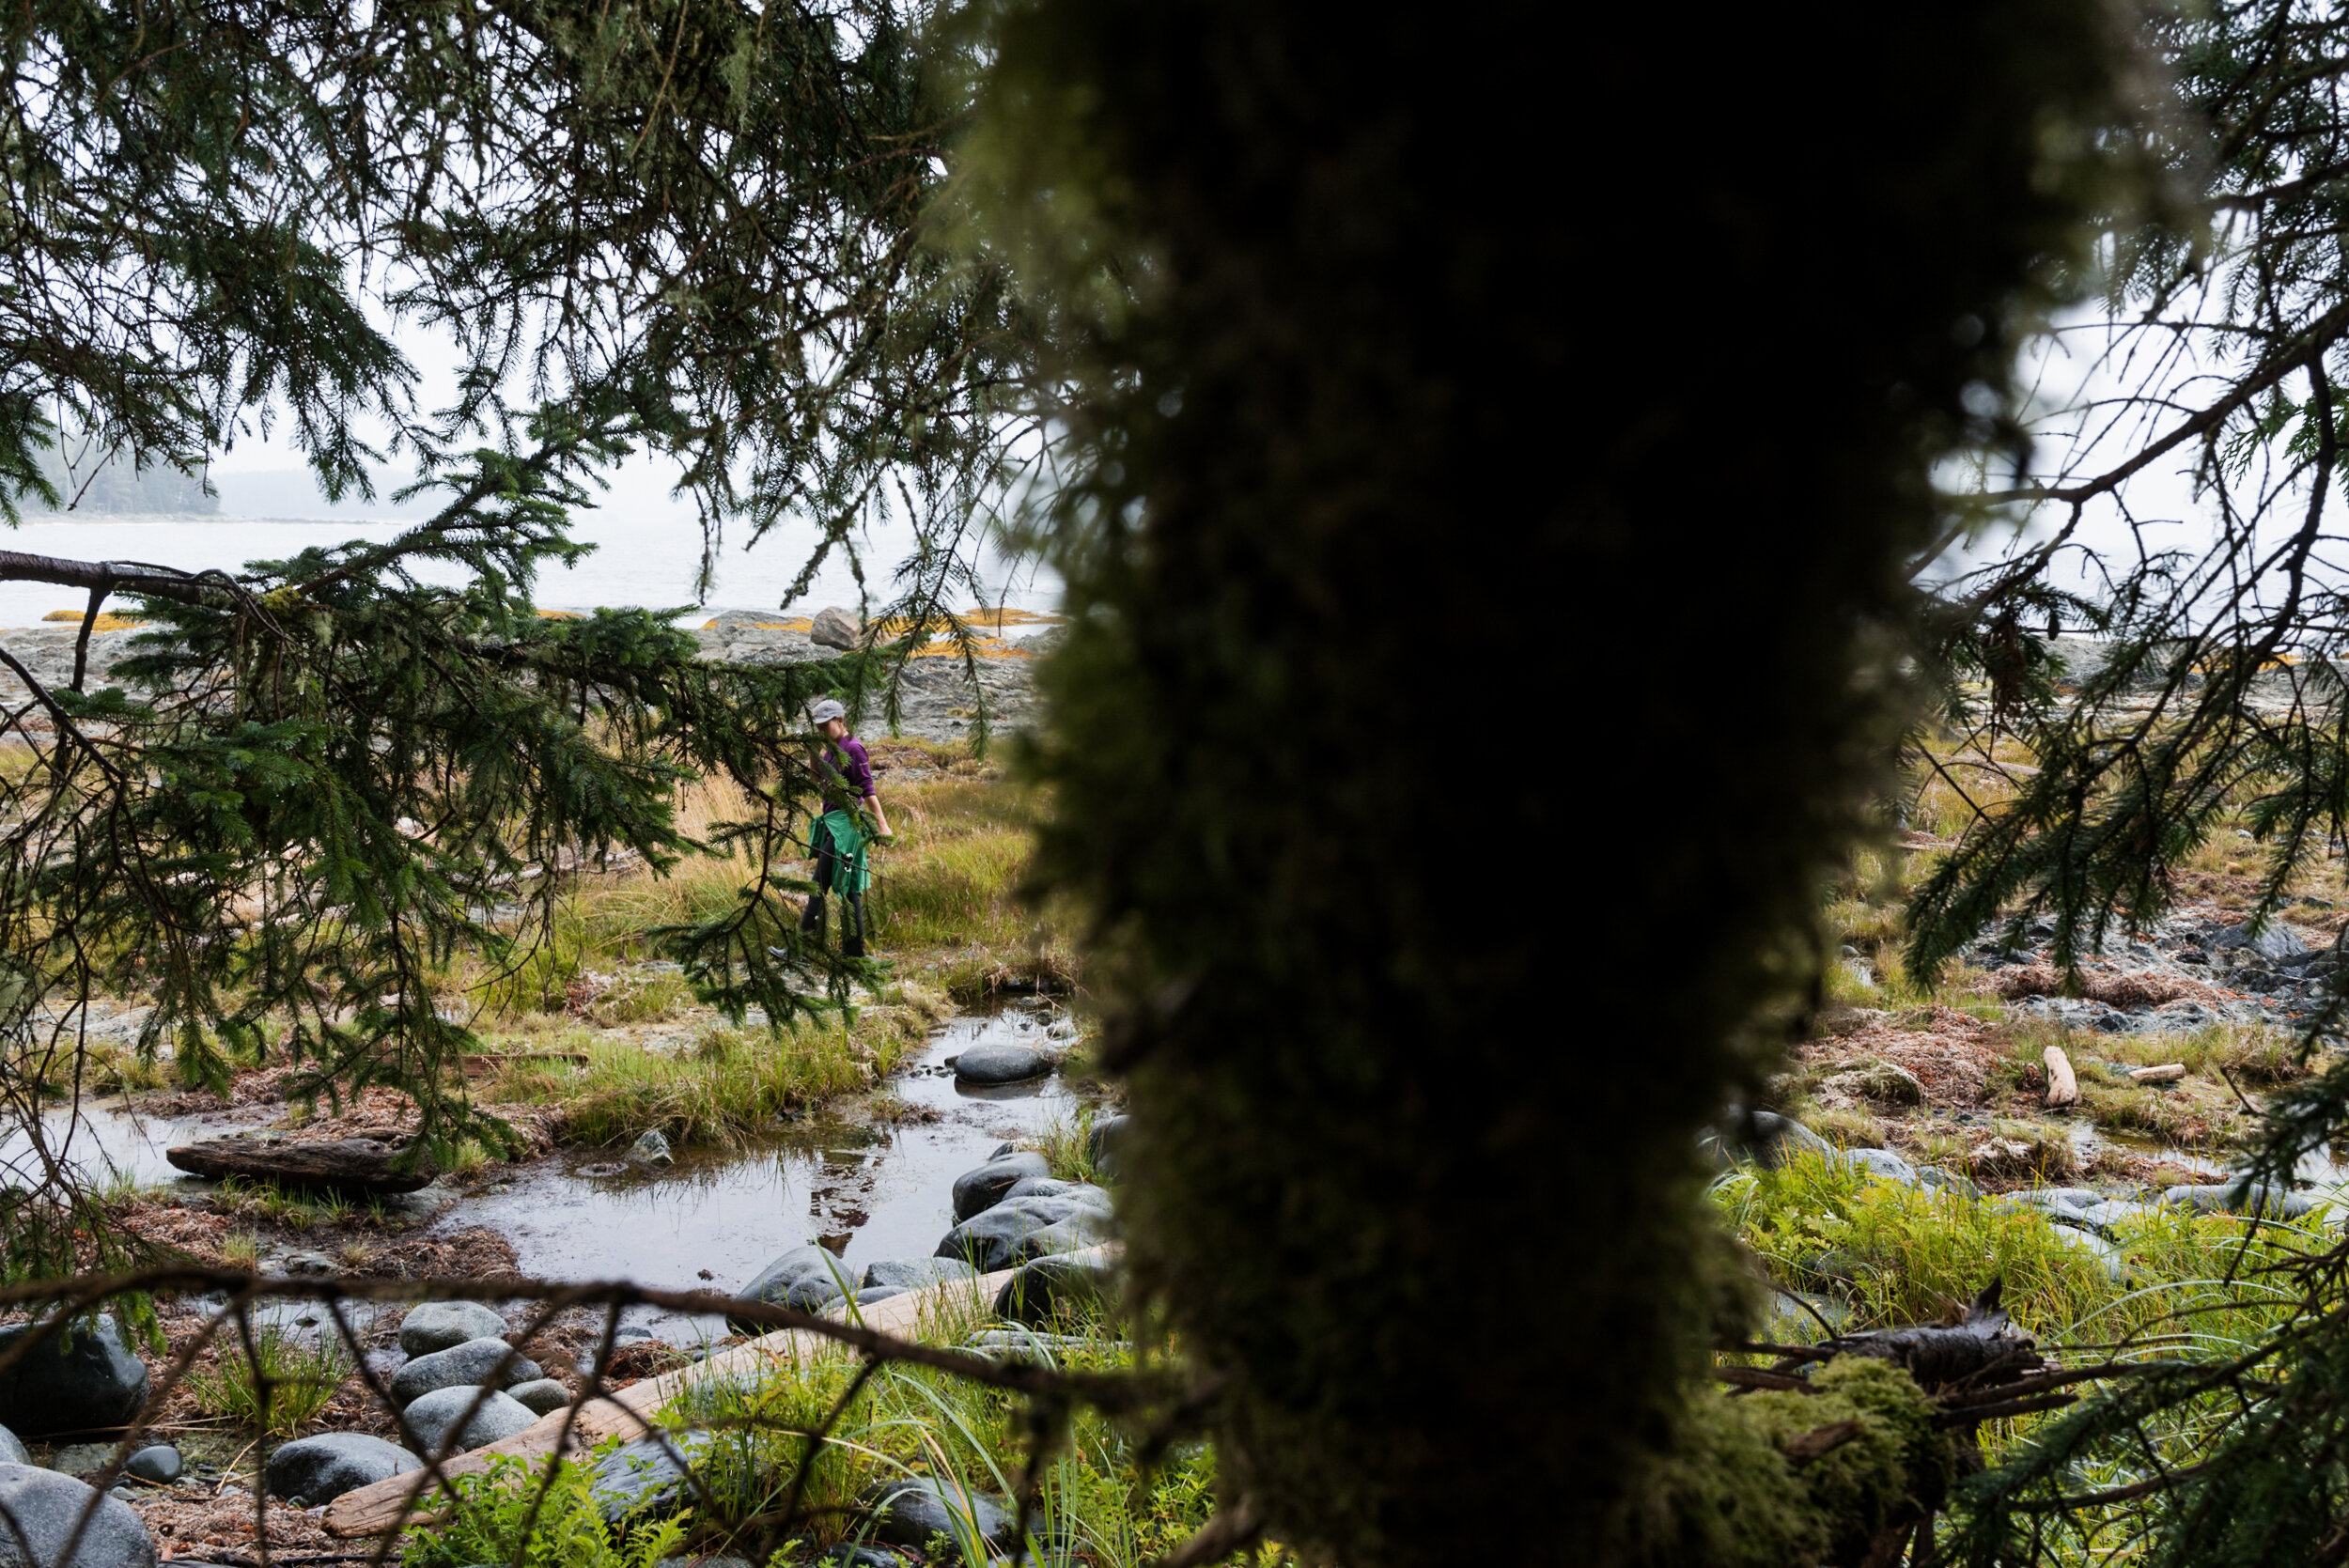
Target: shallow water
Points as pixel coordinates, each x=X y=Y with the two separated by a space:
x=109 y=1140
x=871 y=1192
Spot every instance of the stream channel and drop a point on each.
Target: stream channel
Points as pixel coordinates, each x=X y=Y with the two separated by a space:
x=869 y=1192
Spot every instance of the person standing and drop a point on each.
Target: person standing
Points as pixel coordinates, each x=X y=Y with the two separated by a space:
x=839 y=837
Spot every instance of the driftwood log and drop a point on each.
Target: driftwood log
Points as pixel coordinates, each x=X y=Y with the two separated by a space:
x=2062 y=1087
x=360 y=1165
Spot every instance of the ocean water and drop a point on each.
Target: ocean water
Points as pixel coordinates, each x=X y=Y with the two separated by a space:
x=640 y=562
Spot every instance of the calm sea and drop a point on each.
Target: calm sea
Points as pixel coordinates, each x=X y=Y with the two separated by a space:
x=646 y=564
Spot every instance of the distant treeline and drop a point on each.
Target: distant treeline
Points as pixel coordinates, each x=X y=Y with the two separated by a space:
x=118 y=485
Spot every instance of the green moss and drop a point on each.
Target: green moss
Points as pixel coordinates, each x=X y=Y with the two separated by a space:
x=1732 y=1499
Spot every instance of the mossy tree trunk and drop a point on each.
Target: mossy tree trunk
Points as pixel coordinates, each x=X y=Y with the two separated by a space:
x=1507 y=462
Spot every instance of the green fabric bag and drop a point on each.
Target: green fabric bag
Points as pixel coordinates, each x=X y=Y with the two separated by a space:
x=850 y=872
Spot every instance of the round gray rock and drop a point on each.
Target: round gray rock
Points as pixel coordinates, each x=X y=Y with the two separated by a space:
x=1021 y=1228
x=1108 y=1133
x=12 y=1451
x=433 y=1418
x=909 y=1511
x=644 y=1477
x=1083 y=1194
x=160 y=1464
x=1000 y=1064
x=2275 y=1202
x=915 y=1273
x=835 y=628
x=322 y=1468
x=44 y=1507
x=984 y=1188
x=543 y=1394
x=473 y=1363
x=438 y=1325
x=85 y=1377
x=807 y=1279
x=1058 y=1287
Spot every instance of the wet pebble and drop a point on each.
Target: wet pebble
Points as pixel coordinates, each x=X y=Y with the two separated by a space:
x=160 y=1464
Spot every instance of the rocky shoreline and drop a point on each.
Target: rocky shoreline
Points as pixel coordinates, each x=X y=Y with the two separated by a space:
x=464 y=1375
x=938 y=699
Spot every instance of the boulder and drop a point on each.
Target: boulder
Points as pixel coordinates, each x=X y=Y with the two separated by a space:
x=651 y=1150
x=1001 y=1063
x=915 y=1273
x=1886 y=1082
x=1804 y=1315
x=834 y=627
x=984 y=1188
x=2058 y=1199
x=1080 y=1284
x=471 y=1364
x=644 y=1477
x=2229 y=1198
x=322 y=1468
x=12 y=1451
x=1022 y=1343
x=1881 y=1165
x=44 y=1508
x=433 y=1419
x=81 y=1379
x=541 y=1394
x=911 y=1509
x=807 y=1279
x=1082 y=1193
x=159 y=1463
x=438 y=1325
x=2278 y=942
x=1947 y=1181
x=1103 y=1140
x=1770 y=1140
x=1016 y=1232
x=855 y=1554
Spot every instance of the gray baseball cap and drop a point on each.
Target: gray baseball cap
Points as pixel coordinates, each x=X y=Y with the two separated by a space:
x=827 y=709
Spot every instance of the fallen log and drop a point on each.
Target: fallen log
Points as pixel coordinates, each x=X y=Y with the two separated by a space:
x=2168 y=1072
x=360 y=1165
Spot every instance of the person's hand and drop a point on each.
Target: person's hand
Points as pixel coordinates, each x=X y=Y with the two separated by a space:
x=885 y=836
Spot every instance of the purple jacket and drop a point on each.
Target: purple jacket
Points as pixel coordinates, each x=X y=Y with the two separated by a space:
x=845 y=766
